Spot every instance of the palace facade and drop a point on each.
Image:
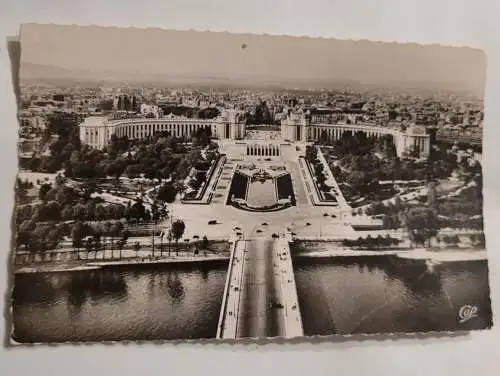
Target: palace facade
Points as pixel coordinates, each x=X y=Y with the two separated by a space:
x=295 y=127
x=96 y=131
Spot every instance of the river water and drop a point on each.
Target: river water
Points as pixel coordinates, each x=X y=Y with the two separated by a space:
x=388 y=294
x=336 y=296
x=118 y=304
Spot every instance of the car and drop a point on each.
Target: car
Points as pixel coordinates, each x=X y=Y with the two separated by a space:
x=258 y=231
x=239 y=233
x=325 y=215
x=334 y=216
x=237 y=228
x=308 y=224
x=264 y=224
x=275 y=304
x=275 y=235
x=212 y=222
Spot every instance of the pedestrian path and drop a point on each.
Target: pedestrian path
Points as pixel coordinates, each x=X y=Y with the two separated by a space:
x=228 y=319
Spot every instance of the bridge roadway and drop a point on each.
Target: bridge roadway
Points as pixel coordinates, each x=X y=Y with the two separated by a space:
x=260 y=298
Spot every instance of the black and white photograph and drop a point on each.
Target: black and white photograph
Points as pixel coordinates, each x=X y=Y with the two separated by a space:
x=189 y=185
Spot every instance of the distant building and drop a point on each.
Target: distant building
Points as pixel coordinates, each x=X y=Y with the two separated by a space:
x=151 y=110
x=124 y=102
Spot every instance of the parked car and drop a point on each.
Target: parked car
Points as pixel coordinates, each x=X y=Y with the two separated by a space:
x=275 y=235
x=212 y=222
x=258 y=231
x=264 y=224
x=308 y=224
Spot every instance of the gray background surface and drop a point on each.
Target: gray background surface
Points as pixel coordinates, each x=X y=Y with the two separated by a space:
x=454 y=22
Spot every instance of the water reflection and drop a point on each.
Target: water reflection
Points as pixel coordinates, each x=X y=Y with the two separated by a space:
x=114 y=304
x=387 y=294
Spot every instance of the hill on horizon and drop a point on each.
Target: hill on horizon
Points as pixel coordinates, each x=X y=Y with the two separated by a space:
x=44 y=73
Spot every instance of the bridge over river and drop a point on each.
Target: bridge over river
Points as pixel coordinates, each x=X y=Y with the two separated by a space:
x=260 y=296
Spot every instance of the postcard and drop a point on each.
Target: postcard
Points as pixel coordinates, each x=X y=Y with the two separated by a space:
x=184 y=185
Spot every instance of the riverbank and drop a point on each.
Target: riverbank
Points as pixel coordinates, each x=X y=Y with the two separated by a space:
x=93 y=265
x=54 y=268
x=451 y=255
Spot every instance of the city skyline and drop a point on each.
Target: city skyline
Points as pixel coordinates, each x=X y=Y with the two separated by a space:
x=112 y=54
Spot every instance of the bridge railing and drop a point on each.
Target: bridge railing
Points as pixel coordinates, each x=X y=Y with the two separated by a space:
x=222 y=314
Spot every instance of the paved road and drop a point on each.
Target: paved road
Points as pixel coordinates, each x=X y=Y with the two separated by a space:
x=257 y=317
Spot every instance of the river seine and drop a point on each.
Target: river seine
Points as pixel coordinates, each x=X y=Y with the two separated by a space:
x=118 y=304
x=385 y=294
x=336 y=296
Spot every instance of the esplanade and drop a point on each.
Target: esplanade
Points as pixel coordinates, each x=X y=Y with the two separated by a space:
x=96 y=131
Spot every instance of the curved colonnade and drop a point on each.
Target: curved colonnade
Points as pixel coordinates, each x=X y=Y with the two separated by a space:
x=413 y=138
x=97 y=131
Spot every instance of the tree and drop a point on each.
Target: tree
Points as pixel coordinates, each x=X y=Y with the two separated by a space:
x=79 y=212
x=357 y=180
x=115 y=230
x=23 y=213
x=137 y=248
x=67 y=212
x=454 y=239
x=39 y=238
x=123 y=240
x=51 y=211
x=77 y=235
x=137 y=211
x=204 y=244
x=100 y=213
x=478 y=240
x=60 y=180
x=432 y=200
x=24 y=234
x=311 y=153
x=167 y=193
x=90 y=210
x=178 y=228
x=422 y=224
x=182 y=169
x=44 y=189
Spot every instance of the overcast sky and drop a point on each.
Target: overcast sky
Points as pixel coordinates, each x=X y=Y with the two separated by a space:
x=202 y=54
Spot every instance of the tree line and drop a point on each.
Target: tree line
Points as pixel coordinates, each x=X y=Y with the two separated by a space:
x=159 y=156
x=371 y=242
